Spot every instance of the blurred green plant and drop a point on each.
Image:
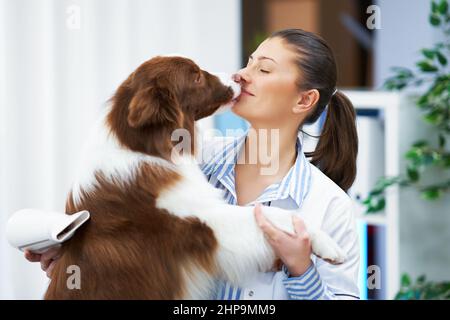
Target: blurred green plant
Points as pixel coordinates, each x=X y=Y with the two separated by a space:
x=433 y=72
x=422 y=289
x=256 y=40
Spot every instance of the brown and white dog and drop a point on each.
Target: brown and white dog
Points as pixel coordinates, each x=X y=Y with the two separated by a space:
x=158 y=229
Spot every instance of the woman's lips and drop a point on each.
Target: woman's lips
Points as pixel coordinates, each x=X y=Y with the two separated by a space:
x=245 y=92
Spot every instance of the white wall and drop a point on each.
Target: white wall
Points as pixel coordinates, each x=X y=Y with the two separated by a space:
x=54 y=79
x=404 y=31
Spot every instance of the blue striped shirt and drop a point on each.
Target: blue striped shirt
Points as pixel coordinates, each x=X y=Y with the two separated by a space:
x=287 y=194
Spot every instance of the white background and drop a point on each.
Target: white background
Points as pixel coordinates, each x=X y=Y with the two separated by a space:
x=54 y=77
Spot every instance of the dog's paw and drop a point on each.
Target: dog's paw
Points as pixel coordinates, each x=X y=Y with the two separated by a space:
x=326 y=248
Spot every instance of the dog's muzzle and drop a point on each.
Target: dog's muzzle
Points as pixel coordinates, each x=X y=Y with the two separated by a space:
x=228 y=81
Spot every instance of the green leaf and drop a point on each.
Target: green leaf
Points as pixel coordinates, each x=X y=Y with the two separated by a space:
x=379 y=205
x=426 y=66
x=435 y=20
x=405 y=280
x=443 y=7
x=441 y=141
x=394 y=84
x=423 y=100
x=430 y=54
x=370 y=210
x=437 y=157
x=402 y=73
x=399 y=296
x=441 y=58
x=437 y=89
x=434 y=117
x=421 y=279
x=374 y=204
x=397 y=82
x=422 y=289
x=413 y=174
x=416 y=153
x=434 y=7
x=413 y=156
x=420 y=144
x=431 y=193
x=376 y=192
x=446 y=160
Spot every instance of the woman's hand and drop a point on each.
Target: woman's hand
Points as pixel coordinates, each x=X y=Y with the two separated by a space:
x=294 y=251
x=47 y=259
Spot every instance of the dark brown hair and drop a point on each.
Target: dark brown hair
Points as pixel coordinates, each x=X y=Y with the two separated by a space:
x=337 y=148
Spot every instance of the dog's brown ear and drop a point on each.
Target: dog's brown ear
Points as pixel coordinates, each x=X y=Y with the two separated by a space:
x=154 y=105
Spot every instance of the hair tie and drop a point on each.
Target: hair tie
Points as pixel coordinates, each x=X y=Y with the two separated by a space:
x=334 y=92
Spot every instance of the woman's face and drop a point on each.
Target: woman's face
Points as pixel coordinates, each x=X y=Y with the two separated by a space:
x=269 y=90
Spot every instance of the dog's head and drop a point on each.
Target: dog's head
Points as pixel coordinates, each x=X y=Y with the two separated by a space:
x=161 y=95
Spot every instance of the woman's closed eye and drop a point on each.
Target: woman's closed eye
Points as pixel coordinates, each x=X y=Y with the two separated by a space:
x=256 y=66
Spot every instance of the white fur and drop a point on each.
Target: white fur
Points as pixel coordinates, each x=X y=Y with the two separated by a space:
x=103 y=152
x=243 y=249
x=227 y=80
x=199 y=284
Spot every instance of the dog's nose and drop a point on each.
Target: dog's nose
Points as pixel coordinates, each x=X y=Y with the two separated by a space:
x=236 y=78
x=229 y=81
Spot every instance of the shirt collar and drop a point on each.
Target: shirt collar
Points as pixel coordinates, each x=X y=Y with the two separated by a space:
x=295 y=184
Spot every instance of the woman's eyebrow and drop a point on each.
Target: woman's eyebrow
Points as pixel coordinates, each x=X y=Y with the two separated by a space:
x=262 y=58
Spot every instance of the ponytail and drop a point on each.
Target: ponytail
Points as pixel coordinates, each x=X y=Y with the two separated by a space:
x=336 y=151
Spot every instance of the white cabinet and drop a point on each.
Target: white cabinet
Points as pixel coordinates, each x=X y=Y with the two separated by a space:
x=416 y=231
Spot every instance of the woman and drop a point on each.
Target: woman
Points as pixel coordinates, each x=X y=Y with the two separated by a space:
x=289 y=80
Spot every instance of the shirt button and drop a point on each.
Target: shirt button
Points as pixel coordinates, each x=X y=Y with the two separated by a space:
x=250 y=293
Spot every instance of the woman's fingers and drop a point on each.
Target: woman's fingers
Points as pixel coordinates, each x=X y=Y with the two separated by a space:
x=266 y=226
x=51 y=253
x=48 y=256
x=47 y=259
x=50 y=269
x=32 y=257
x=299 y=225
x=301 y=231
x=45 y=264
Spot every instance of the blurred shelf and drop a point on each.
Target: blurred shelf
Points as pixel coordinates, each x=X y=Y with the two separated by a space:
x=378 y=219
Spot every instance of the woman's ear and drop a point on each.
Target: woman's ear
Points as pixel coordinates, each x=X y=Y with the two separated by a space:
x=306 y=101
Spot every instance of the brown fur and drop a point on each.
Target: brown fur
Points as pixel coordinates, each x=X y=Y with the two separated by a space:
x=130 y=249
